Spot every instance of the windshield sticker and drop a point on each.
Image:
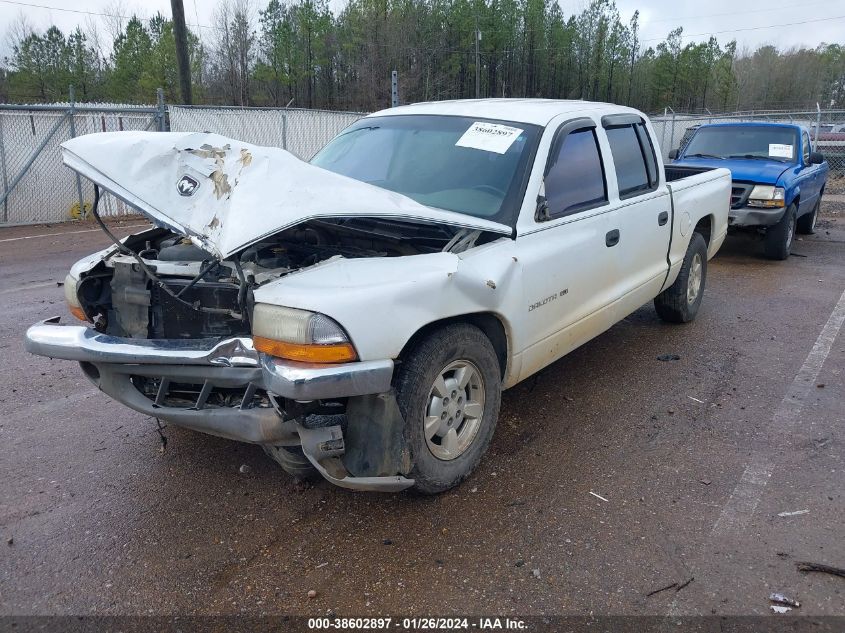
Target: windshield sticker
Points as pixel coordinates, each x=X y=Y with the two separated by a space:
x=489 y=137
x=779 y=150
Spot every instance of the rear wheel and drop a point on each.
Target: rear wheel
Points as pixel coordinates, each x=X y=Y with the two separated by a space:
x=679 y=303
x=448 y=389
x=806 y=224
x=778 y=241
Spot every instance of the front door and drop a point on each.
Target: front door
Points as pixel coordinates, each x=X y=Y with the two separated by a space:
x=568 y=264
x=810 y=178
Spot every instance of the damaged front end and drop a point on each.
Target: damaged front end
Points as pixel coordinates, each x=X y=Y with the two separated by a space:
x=170 y=334
x=226 y=388
x=174 y=330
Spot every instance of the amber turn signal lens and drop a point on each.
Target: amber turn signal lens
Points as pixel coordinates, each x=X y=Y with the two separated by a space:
x=78 y=312
x=332 y=353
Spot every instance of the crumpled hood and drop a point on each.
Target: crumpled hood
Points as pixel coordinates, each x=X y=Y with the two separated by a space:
x=227 y=195
x=763 y=172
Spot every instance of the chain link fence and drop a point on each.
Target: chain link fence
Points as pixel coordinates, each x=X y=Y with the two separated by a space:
x=674 y=129
x=301 y=132
x=36 y=186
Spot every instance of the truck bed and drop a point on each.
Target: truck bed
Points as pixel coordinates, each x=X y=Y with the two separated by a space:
x=678 y=172
x=697 y=192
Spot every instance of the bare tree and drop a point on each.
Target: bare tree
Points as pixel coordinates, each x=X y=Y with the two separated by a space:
x=16 y=32
x=116 y=14
x=92 y=32
x=234 y=48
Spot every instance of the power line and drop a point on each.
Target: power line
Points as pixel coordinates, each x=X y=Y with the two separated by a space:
x=83 y=12
x=652 y=39
x=717 y=15
x=680 y=18
x=436 y=50
x=753 y=28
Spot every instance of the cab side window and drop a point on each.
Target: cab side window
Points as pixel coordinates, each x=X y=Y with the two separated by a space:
x=806 y=143
x=633 y=159
x=574 y=178
x=648 y=154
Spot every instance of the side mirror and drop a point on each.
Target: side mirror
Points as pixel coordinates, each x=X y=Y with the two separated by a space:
x=541 y=214
x=816 y=158
x=541 y=211
x=673 y=154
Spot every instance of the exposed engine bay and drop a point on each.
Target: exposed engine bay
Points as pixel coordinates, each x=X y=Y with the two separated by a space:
x=160 y=285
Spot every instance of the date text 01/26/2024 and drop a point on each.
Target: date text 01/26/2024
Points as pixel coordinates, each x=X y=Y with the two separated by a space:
x=418 y=624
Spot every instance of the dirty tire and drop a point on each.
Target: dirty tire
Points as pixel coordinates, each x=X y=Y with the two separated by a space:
x=673 y=304
x=292 y=461
x=806 y=224
x=414 y=383
x=779 y=238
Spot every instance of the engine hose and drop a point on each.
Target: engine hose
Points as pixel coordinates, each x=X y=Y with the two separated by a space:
x=158 y=282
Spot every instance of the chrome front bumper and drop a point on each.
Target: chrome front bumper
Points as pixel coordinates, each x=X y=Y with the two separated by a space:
x=111 y=362
x=287 y=379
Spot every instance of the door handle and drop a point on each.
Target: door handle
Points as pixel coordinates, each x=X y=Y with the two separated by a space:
x=612 y=238
x=663 y=218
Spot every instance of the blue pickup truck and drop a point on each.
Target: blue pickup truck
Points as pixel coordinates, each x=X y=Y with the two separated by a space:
x=778 y=180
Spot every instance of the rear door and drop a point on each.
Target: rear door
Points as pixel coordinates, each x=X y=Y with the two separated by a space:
x=643 y=213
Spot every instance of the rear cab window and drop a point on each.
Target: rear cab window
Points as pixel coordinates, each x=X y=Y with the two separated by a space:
x=634 y=159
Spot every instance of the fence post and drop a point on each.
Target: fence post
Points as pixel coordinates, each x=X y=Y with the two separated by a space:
x=394 y=89
x=72 y=98
x=672 y=133
x=160 y=111
x=818 y=125
x=663 y=134
x=3 y=169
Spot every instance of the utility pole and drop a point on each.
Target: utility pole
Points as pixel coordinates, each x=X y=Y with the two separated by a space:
x=477 y=65
x=183 y=64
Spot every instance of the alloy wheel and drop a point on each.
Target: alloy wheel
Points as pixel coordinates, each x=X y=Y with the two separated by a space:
x=455 y=409
x=694 y=279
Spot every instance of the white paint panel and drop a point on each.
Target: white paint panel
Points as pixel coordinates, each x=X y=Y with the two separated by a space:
x=246 y=192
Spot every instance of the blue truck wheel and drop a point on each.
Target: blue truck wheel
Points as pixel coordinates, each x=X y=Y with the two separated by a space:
x=779 y=237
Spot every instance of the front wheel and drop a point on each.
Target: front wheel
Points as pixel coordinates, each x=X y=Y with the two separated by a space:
x=679 y=303
x=807 y=223
x=449 y=390
x=778 y=241
x=293 y=461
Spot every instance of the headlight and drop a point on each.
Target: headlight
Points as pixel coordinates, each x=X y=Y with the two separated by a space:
x=72 y=298
x=766 y=196
x=299 y=335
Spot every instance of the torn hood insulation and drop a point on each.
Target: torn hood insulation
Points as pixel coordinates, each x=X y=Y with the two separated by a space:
x=227 y=195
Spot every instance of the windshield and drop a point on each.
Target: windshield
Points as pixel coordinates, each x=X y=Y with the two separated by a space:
x=471 y=166
x=736 y=141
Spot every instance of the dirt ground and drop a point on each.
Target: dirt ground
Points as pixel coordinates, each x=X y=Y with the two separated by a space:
x=612 y=474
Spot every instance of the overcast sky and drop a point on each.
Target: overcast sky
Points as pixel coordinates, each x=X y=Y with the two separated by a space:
x=750 y=22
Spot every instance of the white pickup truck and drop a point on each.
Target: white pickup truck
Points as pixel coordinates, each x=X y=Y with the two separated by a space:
x=360 y=315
